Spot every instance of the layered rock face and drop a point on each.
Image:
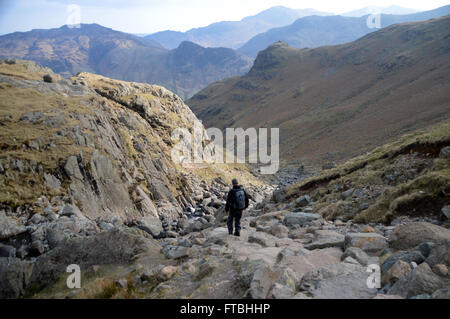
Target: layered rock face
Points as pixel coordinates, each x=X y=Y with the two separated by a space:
x=91 y=154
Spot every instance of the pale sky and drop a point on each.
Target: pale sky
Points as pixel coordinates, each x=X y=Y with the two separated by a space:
x=148 y=16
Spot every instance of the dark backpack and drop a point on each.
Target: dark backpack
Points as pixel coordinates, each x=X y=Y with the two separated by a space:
x=239 y=199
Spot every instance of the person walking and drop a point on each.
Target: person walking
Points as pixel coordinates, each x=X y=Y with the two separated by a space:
x=237 y=202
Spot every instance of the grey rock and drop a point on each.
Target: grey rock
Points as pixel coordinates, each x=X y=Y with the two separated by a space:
x=406 y=256
x=7 y=251
x=279 y=231
x=338 y=281
x=116 y=246
x=52 y=182
x=445 y=152
x=359 y=255
x=14 y=275
x=412 y=234
x=371 y=243
x=421 y=280
x=71 y=210
x=291 y=219
x=279 y=196
x=10 y=61
x=425 y=248
x=9 y=227
x=440 y=254
x=36 y=219
x=263 y=239
x=303 y=201
x=263 y=279
x=72 y=169
x=151 y=225
x=105 y=226
x=185 y=242
x=176 y=252
x=279 y=291
x=347 y=193
x=325 y=242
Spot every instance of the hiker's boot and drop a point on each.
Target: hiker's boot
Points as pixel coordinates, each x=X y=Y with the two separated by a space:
x=237 y=234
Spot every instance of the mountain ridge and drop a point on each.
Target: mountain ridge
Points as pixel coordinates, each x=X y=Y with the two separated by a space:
x=315 y=31
x=96 y=49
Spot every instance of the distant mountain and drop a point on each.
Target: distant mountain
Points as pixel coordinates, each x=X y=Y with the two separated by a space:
x=96 y=49
x=315 y=31
x=396 y=10
x=233 y=34
x=335 y=102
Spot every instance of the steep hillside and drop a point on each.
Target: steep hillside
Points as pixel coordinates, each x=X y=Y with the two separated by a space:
x=233 y=34
x=93 y=48
x=333 y=102
x=315 y=31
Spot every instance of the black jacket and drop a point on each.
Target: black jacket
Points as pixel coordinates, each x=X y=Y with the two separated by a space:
x=230 y=198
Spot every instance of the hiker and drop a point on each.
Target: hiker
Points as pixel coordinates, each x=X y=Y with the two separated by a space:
x=237 y=202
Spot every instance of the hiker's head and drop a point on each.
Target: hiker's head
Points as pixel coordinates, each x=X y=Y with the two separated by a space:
x=235 y=182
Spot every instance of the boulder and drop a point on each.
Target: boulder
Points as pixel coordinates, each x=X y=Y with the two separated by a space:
x=262 y=280
x=167 y=273
x=291 y=219
x=303 y=201
x=325 y=239
x=439 y=254
x=359 y=255
x=279 y=195
x=176 y=252
x=279 y=291
x=371 y=243
x=440 y=269
x=151 y=225
x=396 y=272
x=9 y=227
x=119 y=245
x=406 y=256
x=279 y=231
x=338 y=281
x=412 y=234
x=14 y=275
x=420 y=281
x=263 y=239
x=304 y=263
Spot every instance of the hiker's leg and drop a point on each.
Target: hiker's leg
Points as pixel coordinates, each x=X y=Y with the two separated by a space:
x=230 y=223
x=237 y=222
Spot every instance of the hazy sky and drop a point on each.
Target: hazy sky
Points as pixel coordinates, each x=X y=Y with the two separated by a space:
x=141 y=16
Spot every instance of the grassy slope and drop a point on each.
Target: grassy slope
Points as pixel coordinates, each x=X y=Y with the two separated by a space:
x=426 y=190
x=334 y=102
